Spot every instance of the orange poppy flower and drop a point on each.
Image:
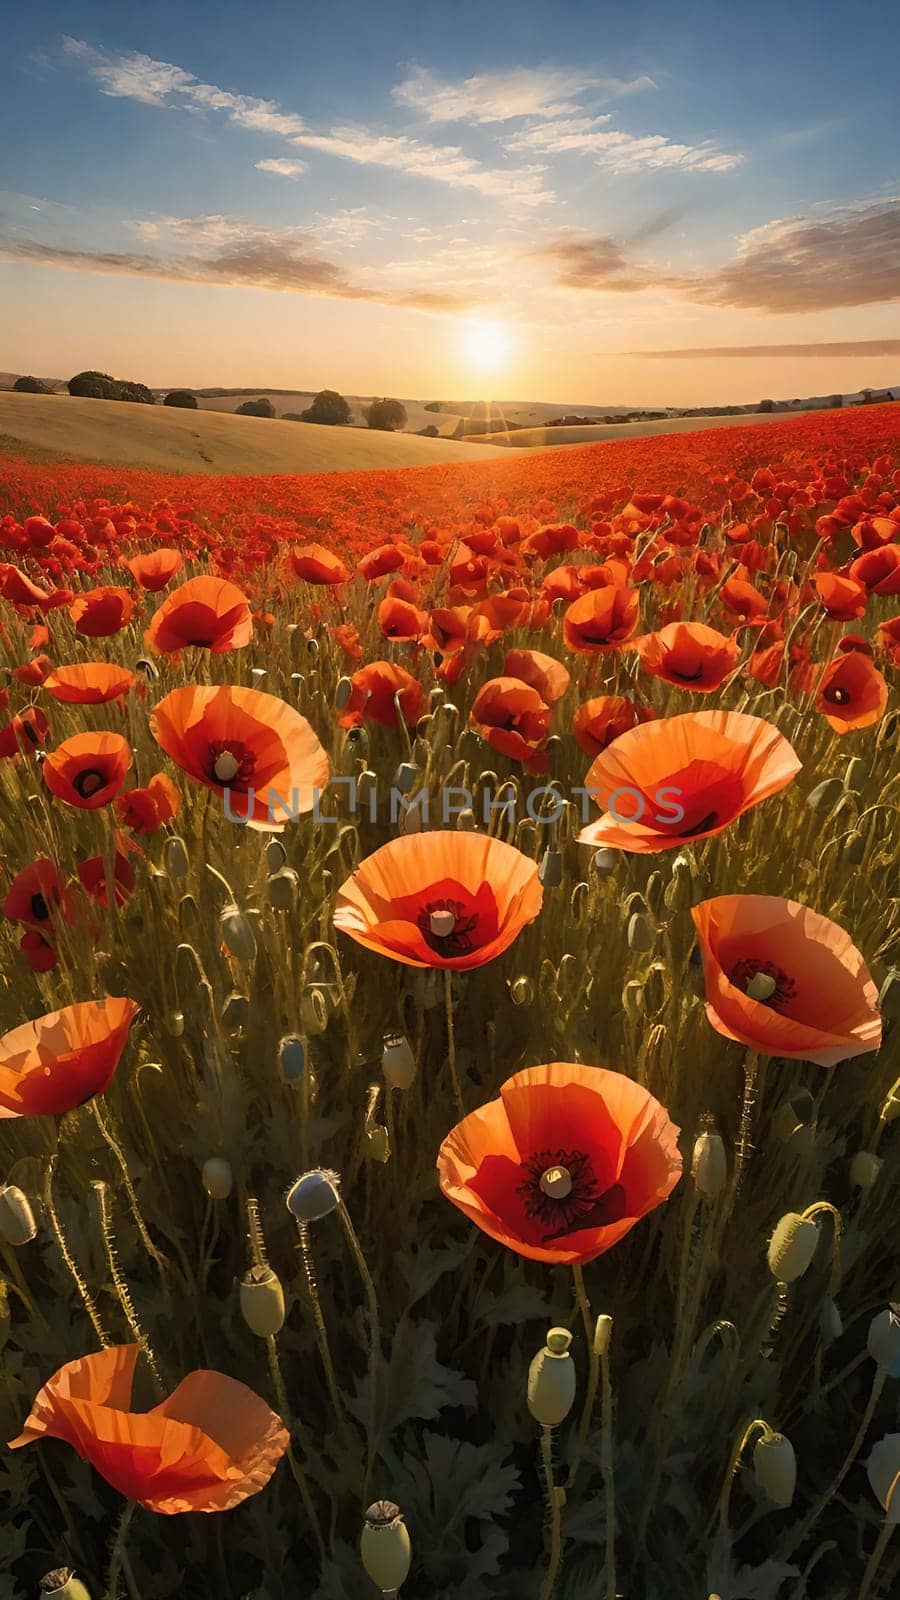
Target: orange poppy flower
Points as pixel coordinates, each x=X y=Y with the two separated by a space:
x=448 y=629
x=879 y=570
x=742 y=600
x=784 y=980
x=145 y=810
x=399 y=619
x=564 y=1164
x=250 y=747
x=852 y=693
x=601 y=619
x=689 y=655
x=685 y=778
x=511 y=716
x=100 y=612
x=33 y=672
x=87 y=770
x=375 y=692
x=209 y=613
x=889 y=639
x=379 y=562
x=155 y=569
x=36 y=894
x=842 y=598
x=56 y=1062
x=211 y=1444
x=90 y=683
x=445 y=899
x=604 y=718
x=312 y=563
x=543 y=673
x=25 y=733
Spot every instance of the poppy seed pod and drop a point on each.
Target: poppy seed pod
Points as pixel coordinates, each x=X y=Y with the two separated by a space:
x=281 y=888
x=551 y=1380
x=174 y=1023
x=62 y=1584
x=864 y=1170
x=550 y=871
x=883 y=1471
x=775 y=1468
x=262 y=1302
x=377 y=1144
x=342 y=693
x=604 y=859
x=237 y=933
x=883 y=1340
x=292 y=1058
x=275 y=855
x=175 y=857
x=217 y=1177
x=854 y=847
x=384 y=1548
x=404 y=777
x=792 y=1247
x=824 y=794
x=709 y=1164
x=398 y=1062
x=236 y=1011
x=17 y=1224
x=314 y=1195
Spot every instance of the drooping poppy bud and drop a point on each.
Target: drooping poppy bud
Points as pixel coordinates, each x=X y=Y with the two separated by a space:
x=792 y=1247
x=314 y=1195
x=775 y=1468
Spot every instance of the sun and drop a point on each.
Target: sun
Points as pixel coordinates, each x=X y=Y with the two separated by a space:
x=486 y=344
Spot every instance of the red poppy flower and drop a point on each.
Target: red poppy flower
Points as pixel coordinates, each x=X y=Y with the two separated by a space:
x=785 y=980
x=689 y=655
x=59 y=1061
x=312 y=563
x=879 y=569
x=511 y=716
x=98 y=613
x=39 y=954
x=25 y=733
x=37 y=894
x=842 y=598
x=445 y=899
x=375 y=692
x=103 y=879
x=448 y=629
x=400 y=620
x=889 y=639
x=379 y=562
x=739 y=597
x=685 y=778
x=346 y=636
x=250 y=747
x=852 y=693
x=87 y=770
x=145 y=810
x=208 y=613
x=543 y=673
x=604 y=718
x=564 y=1164
x=33 y=672
x=209 y=1446
x=90 y=683
x=154 y=570
x=601 y=619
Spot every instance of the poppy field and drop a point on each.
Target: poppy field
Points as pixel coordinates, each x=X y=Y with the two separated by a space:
x=450 y=1025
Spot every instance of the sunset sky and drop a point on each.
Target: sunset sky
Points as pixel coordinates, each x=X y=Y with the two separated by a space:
x=577 y=202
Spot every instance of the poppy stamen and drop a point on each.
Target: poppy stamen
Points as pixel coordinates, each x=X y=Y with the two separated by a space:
x=561 y=1191
x=446 y=927
x=764 y=982
x=231 y=763
x=836 y=695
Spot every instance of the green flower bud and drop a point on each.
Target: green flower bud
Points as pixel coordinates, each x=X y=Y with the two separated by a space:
x=237 y=933
x=640 y=932
x=62 y=1584
x=384 y=1548
x=551 y=1380
x=314 y=1195
x=17 y=1224
x=377 y=1144
x=775 y=1468
x=275 y=855
x=824 y=795
x=262 y=1302
x=550 y=871
x=175 y=857
x=281 y=888
x=883 y=1340
x=236 y=1011
x=709 y=1164
x=792 y=1247
x=292 y=1058
x=398 y=1062
x=218 y=1180
x=883 y=1469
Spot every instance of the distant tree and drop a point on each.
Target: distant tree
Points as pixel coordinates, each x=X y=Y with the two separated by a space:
x=328 y=408
x=387 y=416
x=433 y=405
x=766 y=405
x=256 y=408
x=292 y=416
x=431 y=432
x=137 y=393
x=836 y=402
x=182 y=398
x=32 y=386
x=100 y=386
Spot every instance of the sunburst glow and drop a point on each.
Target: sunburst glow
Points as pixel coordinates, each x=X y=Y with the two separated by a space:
x=486 y=344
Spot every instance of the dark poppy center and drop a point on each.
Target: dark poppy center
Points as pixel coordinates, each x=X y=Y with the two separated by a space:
x=687 y=677
x=562 y=1192
x=836 y=696
x=88 y=782
x=447 y=927
x=39 y=908
x=764 y=982
x=231 y=763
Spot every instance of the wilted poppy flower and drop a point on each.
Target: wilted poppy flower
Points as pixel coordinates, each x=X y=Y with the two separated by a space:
x=689 y=655
x=25 y=733
x=145 y=810
x=511 y=716
x=604 y=718
x=33 y=672
x=154 y=570
x=685 y=778
x=784 y=980
x=59 y=1061
x=852 y=693
x=375 y=692
x=314 y=564
x=601 y=619
x=249 y=746
x=100 y=612
x=208 y=613
x=87 y=770
x=564 y=1164
x=444 y=899
x=36 y=894
x=210 y=1445
x=90 y=683
x=543 y=673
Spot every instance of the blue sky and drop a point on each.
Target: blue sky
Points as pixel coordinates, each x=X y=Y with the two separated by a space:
x=297 y=195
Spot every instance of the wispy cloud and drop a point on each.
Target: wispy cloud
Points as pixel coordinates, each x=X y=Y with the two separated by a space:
x=795 y=352
x=447 y=163
x=502 y=96
x=620 y=152
x=595 y=263
x=282 y=166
